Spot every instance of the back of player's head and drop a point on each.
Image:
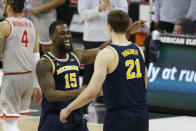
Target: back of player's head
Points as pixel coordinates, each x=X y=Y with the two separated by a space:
x=53 y=26
x=118 y=20
x=16 y=5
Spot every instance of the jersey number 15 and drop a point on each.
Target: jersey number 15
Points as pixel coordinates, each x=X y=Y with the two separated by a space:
x=70 y=80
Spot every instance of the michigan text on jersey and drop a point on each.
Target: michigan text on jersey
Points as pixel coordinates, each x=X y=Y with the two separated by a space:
x=67 y=68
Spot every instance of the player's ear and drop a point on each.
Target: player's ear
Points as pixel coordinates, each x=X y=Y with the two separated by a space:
x=109 y=28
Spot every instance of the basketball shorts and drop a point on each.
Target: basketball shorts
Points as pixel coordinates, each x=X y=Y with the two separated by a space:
x=15 y=96
x=50 y=121
x=115 y=121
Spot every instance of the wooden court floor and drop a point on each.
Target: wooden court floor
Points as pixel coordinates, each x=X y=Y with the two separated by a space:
x=28 y=123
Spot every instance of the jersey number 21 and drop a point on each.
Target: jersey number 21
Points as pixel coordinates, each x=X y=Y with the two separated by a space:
x=131 y=64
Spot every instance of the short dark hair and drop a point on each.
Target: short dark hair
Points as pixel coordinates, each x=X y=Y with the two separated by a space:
x=118 y=20
x=53 y=26
x=17 y=5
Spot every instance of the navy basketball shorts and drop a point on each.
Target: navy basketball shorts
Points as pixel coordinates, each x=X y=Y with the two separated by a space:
x=50 y=121
x=114 y=121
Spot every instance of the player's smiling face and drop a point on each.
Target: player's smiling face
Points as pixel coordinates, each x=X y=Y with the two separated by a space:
x=63 y=37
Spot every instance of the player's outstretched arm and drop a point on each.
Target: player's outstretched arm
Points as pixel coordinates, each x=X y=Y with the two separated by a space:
x=47 y=83
x=133 y=28
x=88 y=56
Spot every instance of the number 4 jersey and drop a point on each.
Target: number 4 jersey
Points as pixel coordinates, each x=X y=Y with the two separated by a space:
x=19 y=46
x=66 y=76
x=124 y=87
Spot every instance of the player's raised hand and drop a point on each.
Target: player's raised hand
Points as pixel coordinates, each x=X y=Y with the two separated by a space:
x=64 y=114
x=108 y=4
x=133 y=28
x=102 y=6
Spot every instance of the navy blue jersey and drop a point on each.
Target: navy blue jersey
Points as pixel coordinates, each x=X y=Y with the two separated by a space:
x=66 y=77
x=124 y=87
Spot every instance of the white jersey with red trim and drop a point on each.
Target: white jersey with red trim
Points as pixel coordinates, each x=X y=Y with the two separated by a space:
x=19 y=46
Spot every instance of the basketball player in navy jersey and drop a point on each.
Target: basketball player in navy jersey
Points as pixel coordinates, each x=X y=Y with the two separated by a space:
x=121 y=73
x=58 y=75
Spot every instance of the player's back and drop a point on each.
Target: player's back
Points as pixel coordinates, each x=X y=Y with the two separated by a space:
x=124 y=87
x=19 y=45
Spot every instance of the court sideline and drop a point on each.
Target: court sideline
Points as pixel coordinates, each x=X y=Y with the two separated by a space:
x=180 y=123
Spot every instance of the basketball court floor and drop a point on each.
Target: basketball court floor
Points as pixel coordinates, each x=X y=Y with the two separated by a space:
x=96 y=112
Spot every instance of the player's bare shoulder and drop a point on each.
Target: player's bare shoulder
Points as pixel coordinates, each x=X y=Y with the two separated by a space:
x=107 y=54
x=43 y=66
x=110 y=52
x=5 y=28
x=78 y=53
